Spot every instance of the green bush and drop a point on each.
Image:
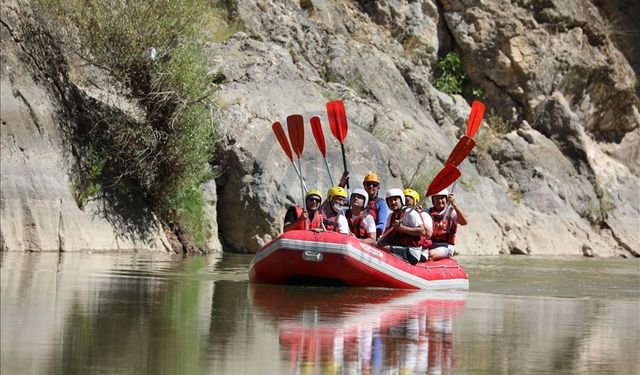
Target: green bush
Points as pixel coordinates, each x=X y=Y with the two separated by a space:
x=450 y=78
x=153 y=50
x=450 y=75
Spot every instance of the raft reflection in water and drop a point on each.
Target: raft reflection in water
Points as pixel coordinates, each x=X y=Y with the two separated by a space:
x=362 y=330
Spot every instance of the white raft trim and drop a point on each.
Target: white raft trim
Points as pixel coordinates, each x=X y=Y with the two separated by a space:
x=361 y=256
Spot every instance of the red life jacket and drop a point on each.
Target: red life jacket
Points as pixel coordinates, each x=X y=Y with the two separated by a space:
x=330 y=223
x=424 y=240
x=372 y=208
x=357 y=226
x=440 y=231
x=401 y=238
x=315 y=222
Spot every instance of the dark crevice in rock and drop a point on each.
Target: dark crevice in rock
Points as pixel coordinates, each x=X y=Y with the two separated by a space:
x=32 y=113
x=621 y=242
x=60 y=231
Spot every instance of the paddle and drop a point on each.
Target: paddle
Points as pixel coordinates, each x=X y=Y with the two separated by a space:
x=316 y=128
x=465 y=144
x=444 y=178
x=447 y=175
x=461 y=151
x=475 y=118
x=295 y=127
x=284 y=143
x=339 y=126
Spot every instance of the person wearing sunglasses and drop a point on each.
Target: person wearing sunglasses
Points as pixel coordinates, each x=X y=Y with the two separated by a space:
x=297 y=218
x=376 y=207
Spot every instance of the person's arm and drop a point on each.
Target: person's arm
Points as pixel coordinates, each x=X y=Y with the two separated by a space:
x=371 y=230
x=461 y=218
x=343 y=224
x=428 y=223
x=344 y=180
x=383 y=213
x=387 y=226
x=413 y=225
x=291 y=219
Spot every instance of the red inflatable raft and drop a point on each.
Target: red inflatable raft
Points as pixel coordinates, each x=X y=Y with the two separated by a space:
x=327 y=258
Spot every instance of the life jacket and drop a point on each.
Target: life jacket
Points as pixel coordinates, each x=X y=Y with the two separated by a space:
x=315 y=222
x=357 y=225
x=440 y=232
x=424 y=240
x=330 y=223
x=401 y=238
x=372 y=208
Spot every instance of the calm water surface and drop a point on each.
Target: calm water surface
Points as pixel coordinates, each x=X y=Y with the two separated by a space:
x=163 y=314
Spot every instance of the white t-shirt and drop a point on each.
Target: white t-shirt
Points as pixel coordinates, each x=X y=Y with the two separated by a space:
x=369 y=222
x=428 y=221
x=343 y=224
x=410 y=220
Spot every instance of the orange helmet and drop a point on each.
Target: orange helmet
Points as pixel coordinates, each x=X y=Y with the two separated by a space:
x=371 y=177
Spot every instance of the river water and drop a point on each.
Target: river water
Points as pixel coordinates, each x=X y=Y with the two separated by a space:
x=164 y=314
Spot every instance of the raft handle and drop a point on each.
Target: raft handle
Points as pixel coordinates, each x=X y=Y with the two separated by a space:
x=312 y=256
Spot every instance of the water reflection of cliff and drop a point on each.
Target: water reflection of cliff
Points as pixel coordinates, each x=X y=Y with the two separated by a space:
x=362 y=330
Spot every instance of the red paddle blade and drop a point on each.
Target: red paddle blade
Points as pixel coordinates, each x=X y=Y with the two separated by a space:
x=337 y=119
x=461 y=151
x=316 y=128
x=475 y=118
x=444 y=178
x=295 y=127
x=282 y=139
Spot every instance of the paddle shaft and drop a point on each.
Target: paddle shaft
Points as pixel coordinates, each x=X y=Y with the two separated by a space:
x=326 y=163
x=303 y=189
x=447 y=213
x=344 y=161
x=304 y=185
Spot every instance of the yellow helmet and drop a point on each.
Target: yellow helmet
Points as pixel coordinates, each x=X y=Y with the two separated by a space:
x=313 y=192
x=371 y=177
x=413 y=194
x=336 y=190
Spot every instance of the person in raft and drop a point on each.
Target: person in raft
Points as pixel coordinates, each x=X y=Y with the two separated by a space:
x=405 y=228
x=331 y=210
x=296 y=218
x=376 y=206
x=412 y=198
x=361 y=224
x=445 y=224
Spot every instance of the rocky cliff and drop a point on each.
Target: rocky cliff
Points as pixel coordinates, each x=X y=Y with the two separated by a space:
x=555 y=170
x=560 y=177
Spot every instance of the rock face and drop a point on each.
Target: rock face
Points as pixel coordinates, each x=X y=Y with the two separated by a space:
x=561 y=177
x=555 y=170
x=39 y=100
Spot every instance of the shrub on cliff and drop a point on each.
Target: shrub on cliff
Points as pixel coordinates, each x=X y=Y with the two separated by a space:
x=152 y=49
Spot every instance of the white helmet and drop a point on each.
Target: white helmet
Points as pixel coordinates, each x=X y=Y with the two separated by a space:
x=395 y=193
x=363 y=193
x=443 y=192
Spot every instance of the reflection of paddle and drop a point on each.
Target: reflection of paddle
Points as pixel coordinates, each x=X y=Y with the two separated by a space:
x=444 y=178
x=339 y=127
x=284 y=143
x=295 y=127
x=316 y=128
